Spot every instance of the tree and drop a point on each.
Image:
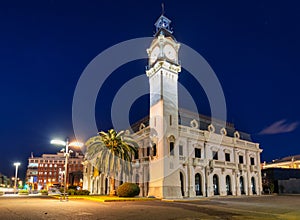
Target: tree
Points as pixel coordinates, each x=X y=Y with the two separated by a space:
x=111 y=152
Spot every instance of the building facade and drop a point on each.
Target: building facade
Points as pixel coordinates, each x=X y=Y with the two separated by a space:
x=48 y=170
x=291 y=162
x=183 y=154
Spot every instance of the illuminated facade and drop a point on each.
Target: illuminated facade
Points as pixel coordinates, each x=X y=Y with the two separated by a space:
x=183 y=154
x=291 y=162
x=47 y=170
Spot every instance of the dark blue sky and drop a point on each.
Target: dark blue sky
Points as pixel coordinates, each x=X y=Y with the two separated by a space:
x=253 y=47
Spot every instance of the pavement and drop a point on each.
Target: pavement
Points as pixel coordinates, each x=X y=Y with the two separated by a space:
x=256 y=207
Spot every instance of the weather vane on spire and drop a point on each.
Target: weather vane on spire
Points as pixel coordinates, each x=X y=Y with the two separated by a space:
x=162 y=8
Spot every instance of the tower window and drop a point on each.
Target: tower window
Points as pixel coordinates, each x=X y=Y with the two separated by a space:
x=154 y=149
x=197 y=153
x=170 y=120
x=180 y=150
x=172 y=148
x=227 y=157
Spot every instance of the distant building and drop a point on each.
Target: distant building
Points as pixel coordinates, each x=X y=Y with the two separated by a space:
x=183 y=154
x=282 y=174
x=4 y=181
x=291 y=162
x=47 y=170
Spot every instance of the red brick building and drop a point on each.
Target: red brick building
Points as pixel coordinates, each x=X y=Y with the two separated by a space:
x=47 y=171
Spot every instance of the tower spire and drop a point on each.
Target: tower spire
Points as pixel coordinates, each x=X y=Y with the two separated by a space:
x=162 y=8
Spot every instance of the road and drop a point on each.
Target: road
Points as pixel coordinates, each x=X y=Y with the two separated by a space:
x=264 y=207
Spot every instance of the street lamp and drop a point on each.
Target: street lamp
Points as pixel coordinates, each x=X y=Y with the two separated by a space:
x=66 y=154
x=17 y=164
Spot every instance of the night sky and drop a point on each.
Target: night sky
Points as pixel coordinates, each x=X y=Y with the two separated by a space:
x=253 y=47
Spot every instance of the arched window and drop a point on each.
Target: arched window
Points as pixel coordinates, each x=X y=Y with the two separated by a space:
x=172 y=148
x=198 y=187
x=228 y=185
x=242 y=186
x=181 y=184
x=216 y=184
x=253 y=187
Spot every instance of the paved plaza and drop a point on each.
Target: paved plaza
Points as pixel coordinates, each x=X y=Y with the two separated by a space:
x=263 y=207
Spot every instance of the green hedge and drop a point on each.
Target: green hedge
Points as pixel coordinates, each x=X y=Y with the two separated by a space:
x=128 y=190
x=78 y=192
x=23 y=192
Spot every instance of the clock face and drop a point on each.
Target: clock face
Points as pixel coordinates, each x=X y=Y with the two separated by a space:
x=154 y=54
x=170 y=52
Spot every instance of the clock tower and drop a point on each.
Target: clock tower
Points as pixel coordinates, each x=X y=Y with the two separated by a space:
x=163 y=69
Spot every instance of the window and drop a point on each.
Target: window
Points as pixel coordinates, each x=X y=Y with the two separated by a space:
x=172 y=148
x=227 y=157
x=154 y=149
x=148 y=151
x=170 y=120
x=241 y=159
x=215 y=155
x=252 y=161
x=136 y=155
x=180 y=150
x=197 y=153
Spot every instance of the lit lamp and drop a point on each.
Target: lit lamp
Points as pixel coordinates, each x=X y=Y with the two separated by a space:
x=66 y=154
x=17 y=164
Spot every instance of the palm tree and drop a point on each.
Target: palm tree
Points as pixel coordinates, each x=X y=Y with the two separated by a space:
x=111 y=152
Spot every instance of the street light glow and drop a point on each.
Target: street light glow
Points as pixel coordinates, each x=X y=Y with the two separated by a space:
x=58 y=142
x=17 y=164
x=66 y=144
x=76 y=144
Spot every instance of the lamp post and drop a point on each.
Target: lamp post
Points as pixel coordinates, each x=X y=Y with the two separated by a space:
x=66 y=154
x=17 y=164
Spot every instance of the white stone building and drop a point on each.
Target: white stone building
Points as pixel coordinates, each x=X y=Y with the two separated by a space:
x=183 y=154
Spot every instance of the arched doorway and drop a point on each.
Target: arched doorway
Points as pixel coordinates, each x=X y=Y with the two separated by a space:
x=198 y=187
x=181 y=184
x=253 y=187
x=216 y=184
x=228 y=185
x=106 y=186
x=242 y=186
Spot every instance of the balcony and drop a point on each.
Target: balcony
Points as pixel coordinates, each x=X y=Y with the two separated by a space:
x=253 y=168
x=198 y=162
